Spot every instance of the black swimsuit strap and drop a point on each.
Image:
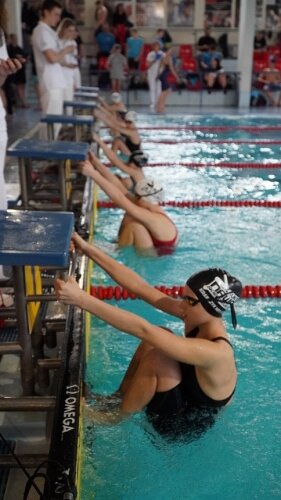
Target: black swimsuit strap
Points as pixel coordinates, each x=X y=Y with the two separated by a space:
x=222 y=338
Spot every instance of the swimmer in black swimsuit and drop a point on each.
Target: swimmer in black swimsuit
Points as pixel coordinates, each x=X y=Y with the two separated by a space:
x=168 y=374
x=129 y=139
x=166 y=68
x=134 y=167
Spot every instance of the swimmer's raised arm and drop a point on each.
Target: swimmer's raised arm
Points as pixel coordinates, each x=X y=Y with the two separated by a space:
x=112 y=122
x=111 y=155
x=127 y=278
x=199 y=352
x=105 y=172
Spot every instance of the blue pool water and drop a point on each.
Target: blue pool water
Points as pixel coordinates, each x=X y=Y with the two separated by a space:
x=240 y=456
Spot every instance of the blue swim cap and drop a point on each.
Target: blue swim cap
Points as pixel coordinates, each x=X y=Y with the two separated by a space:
x=216 y=289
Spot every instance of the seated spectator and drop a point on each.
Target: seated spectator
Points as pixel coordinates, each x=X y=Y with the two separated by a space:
x=215 y=75
x=134 y=46
x=206 y=41
x=164 y=37
x=105 y=40
x=271 y=81
x=260 y=41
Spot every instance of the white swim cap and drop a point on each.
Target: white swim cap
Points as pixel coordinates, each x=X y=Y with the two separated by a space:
x=130 y=116
x=150 y=190
x=116 y=97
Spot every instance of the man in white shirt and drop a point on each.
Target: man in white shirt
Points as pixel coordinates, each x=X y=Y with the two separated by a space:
x=49 y=57
x=153 y=60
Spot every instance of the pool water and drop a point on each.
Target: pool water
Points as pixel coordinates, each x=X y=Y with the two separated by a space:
x=239 y=457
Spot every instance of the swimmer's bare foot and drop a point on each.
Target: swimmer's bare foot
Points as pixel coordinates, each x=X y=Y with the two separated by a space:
x=100 y=400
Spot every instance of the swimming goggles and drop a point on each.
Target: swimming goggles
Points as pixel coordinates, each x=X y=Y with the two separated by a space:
x=191 y=300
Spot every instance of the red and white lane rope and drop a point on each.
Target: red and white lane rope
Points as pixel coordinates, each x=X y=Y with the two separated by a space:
x=119 y=293
x=216 y=128
x=207 y=203
x=217 y=165
x=259 y=142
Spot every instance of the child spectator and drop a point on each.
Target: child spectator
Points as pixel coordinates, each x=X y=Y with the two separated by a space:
x=153 y=60
x=105 y=40
x=134 y=48
x=117 y=66
x=67 y=34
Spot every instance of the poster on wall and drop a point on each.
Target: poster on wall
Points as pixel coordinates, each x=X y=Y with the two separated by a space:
x=273 y=15
x=150 y=13
x=259 y=14
x=218 y=13
x=181 y=12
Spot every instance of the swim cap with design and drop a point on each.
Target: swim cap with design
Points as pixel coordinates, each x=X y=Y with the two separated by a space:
x=130 y=116
x=116 y=97
x=149 y=189
x=139 y=158
x=216 y=289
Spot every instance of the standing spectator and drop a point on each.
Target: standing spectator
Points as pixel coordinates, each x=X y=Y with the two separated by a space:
x=101 y=16
x=7 y=67
x=206 y=41
x=166 y=67
x=19 y=78
x=121 y=24
x=260 y=43
x=134 y=48
x=165 y=37
x=67 y=32
x=48 y=58
x=153 y=60
x=65 y=12
x=105 y=40
x=120 y=16
x=117 y=66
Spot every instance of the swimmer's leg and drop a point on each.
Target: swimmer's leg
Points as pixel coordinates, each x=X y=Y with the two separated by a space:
x=155 y=372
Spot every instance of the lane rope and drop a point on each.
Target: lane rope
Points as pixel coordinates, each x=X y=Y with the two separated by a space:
x=217 y=165
x=263 y=142
x=214 y=128
x=207 y=203
x=120 y=293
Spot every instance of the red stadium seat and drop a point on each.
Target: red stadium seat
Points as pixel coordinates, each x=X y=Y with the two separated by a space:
x=189 y=65
x=259 y=66
x=260 y=56
x=145 y=50
x=185 y=51
x=102 y=63
x=274 y=50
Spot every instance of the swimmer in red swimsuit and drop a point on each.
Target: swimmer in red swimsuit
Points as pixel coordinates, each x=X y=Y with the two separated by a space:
x=145 y=225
